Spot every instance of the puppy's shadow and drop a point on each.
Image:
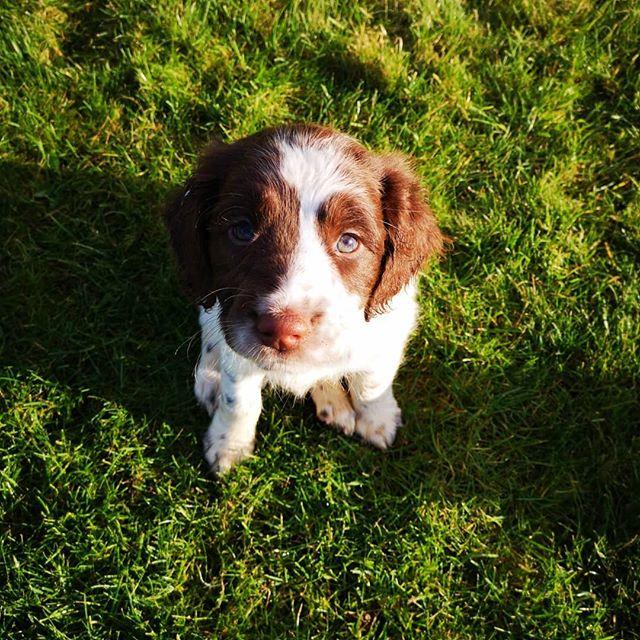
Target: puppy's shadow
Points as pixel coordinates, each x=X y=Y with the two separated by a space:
x=90 y=300
x=89 y=293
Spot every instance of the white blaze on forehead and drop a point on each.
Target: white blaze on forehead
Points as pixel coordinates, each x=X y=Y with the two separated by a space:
x=312 y=168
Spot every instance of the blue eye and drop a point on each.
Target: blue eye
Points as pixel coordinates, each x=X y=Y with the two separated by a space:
x=347 y=243
x=242 y=232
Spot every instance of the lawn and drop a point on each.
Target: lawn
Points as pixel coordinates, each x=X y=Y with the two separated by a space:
x=509 y=506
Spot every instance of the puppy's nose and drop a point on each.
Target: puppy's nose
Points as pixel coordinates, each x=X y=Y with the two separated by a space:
x=283 y=331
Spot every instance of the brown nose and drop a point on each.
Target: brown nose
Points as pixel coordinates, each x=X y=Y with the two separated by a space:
x=283 y=331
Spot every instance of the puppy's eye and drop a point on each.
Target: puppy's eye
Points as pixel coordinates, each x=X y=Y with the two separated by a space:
x=347 y=243
x=242 y=232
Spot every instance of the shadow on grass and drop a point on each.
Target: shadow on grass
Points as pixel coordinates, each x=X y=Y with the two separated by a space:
x=90 y=299
x=89 y=295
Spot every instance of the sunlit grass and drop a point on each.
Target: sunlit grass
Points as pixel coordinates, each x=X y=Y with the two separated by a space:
x=509 y=505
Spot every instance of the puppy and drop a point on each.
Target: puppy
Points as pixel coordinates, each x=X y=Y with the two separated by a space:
x=302 y=249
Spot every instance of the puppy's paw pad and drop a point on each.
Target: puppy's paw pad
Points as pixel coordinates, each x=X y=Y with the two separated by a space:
x=207 y=388
x=334 y=408
x=343 y=418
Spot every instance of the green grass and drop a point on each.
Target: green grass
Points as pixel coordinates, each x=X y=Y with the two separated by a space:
x=510 y=504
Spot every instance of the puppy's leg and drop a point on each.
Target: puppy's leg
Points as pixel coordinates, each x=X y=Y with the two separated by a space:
x=377 y=413
x=230 y=437
x=333 y=406
x=230 y=389
x=207 y=378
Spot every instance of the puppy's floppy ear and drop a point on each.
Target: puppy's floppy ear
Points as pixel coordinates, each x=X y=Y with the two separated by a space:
x=412 y=233
x=187 y=218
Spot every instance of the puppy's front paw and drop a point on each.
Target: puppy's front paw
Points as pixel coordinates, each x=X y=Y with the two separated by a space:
x=377 y=422
x=206 y=388
x=333 y=407
x=222 y=452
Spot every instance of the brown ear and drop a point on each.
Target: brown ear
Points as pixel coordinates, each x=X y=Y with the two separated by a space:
x=412 y=232
x=187 y=218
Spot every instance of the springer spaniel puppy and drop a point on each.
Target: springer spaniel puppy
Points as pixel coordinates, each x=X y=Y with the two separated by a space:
x=302 y=249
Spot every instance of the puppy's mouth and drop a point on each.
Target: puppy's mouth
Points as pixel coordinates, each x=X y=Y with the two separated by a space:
x=270 y=359
x=272 y=353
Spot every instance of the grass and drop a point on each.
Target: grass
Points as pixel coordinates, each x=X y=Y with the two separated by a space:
x=510 y=505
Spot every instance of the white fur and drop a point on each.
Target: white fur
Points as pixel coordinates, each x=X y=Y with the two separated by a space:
x=369 y=366
x=343 y=346
x=314 y=170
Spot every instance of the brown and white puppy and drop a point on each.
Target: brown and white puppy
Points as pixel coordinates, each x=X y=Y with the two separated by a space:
x=302 y=249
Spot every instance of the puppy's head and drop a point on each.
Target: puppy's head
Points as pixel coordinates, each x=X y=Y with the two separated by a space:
x=301 y=235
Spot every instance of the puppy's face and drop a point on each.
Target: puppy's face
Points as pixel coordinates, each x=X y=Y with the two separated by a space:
x=301 y=235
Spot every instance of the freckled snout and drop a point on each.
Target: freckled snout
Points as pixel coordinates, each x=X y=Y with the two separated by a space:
x=284 y=331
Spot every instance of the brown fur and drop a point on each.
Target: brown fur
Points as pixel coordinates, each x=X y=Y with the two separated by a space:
x=342 y=213
x=241 y=181
x=412 y=233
